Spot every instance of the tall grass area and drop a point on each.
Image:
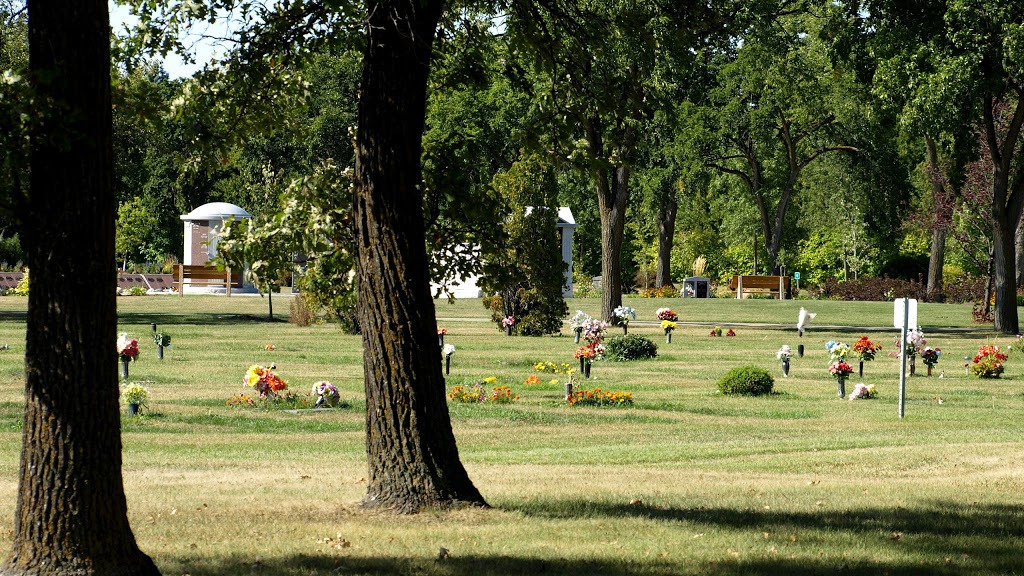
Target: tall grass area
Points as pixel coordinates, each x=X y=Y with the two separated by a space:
x=686 y=481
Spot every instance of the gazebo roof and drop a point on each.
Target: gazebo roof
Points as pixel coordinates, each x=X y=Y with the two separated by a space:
x=217 y=211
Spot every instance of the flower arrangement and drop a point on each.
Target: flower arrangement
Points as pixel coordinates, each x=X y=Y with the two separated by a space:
x=915 y=344
x=134 y=393
x=716 y=331
x=563 y=368
x=578 y=320
x=266 y=383
x=127 y=348
x=930 y=356
x=476 y=393
x=448 y=350
x=594 y=330
x=270 y=347
x=667 y=314
x=442 y=331
x=623 y=314
x=730 y=332
x=863 y=392
x=532 y=380
x=784 y=353
x=508 y=322
x=162 y=339
x=326 y=394
x=865 y=349
x=668 y=326
x=989 y=362
x=240 y=400
x=598 y=397
x=837 y=351
x=588 y=352
x=840 y=369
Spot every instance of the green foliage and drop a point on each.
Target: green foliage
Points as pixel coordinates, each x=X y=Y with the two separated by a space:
x=138 y=237
x=11 y=252
x=630 y=347
x=525 y=267
x=746 y=381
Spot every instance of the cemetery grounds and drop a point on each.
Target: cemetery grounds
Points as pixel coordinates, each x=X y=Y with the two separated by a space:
x=684 y=481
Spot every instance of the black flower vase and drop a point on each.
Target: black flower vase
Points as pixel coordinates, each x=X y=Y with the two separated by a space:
x=124 y=368
x=447 y=364
x=785 y=368
x=861 y=369
x=668 y=336
x=625 y=329
x=800 y=350
x=587 y=370
x=583 y=362
x=842 y=386
x=568 y=391
x=913 y=368
x=508 y=330
x=133 y=409
x=159 y=352
x=578 y=331
x=440 y=340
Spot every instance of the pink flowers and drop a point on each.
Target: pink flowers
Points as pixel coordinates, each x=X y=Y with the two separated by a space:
x=127 y=348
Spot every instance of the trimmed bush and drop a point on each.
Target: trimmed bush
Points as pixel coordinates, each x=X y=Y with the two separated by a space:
x=746 y=381
x=630 y=347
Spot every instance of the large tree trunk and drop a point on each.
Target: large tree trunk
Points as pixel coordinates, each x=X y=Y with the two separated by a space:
x=413 y=460
x=666 y=234
x=1019 y=252
x=71 y=513
x=1007 y=204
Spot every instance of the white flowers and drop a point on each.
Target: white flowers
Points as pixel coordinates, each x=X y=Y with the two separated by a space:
x=784 y=353
x=803 y=320
x=448 y=350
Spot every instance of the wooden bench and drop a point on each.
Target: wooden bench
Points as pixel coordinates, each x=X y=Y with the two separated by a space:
x=206 y=276
x=774 y=285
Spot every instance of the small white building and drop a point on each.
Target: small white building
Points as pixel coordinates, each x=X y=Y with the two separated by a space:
x=202 y=227
x=467 y=287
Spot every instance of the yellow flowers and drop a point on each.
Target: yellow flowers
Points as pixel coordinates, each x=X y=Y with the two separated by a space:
x=553 y=368
x=598 y=397
x=490 y=380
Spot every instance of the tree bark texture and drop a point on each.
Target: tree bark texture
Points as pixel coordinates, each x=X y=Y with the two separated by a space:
x=1019 y=252
x=666 y=234
x=1007 y=204
x=71 y=514
x=412 y=456
x=612 y=184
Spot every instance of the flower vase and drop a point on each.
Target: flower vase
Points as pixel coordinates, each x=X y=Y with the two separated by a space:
x=860 y=370
x=668 y=336
x=625 y=329
x=508 y=330
x=929 y=369
x=912 y=367
x=586 y=371
x=785 y=368
x=583 y=362
x=124 y=368
x=568 y=391
x=447 y=364
x=842 y=385
x=578 y=331
x=800 y=350
x=159 y=352
x=440 y=340
x=133 y=409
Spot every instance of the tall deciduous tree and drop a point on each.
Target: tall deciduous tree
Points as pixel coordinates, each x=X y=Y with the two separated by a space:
x=778 y=106
x=71 y=514
x=413 y=459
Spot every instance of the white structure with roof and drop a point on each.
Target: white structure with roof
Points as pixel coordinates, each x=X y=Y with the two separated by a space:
x=202 y=227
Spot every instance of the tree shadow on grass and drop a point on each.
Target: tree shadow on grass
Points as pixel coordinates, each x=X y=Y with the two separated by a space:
x=199 y=319
x=501 y=565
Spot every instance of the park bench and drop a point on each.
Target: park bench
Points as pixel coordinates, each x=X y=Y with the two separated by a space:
x=205 y=276
x=774 y=285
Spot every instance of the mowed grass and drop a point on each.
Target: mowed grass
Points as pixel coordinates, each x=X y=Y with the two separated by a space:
x=684 y=482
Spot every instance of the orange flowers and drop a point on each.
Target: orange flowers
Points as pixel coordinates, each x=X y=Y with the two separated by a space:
x=532 y=380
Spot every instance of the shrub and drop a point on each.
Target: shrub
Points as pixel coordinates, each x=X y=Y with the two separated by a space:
x=668 y=291
x=630 y=347
x=22 y=288
x=747 y=381
x=299 y=312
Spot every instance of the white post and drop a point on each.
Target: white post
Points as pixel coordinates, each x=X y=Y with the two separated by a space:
x=903 y=359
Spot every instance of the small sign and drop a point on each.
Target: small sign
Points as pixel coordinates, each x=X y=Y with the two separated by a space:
x=910 y=312
x=796 y=275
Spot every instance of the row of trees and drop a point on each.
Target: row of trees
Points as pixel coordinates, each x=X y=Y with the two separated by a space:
x=684 y=100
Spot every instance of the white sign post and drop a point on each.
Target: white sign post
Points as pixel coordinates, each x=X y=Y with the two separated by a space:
x=904 y=317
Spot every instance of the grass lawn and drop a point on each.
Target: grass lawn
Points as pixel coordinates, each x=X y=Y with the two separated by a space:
x=685 y=481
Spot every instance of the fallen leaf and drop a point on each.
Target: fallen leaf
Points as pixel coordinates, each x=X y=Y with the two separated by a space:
x=896 y=536
x=442 y=554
